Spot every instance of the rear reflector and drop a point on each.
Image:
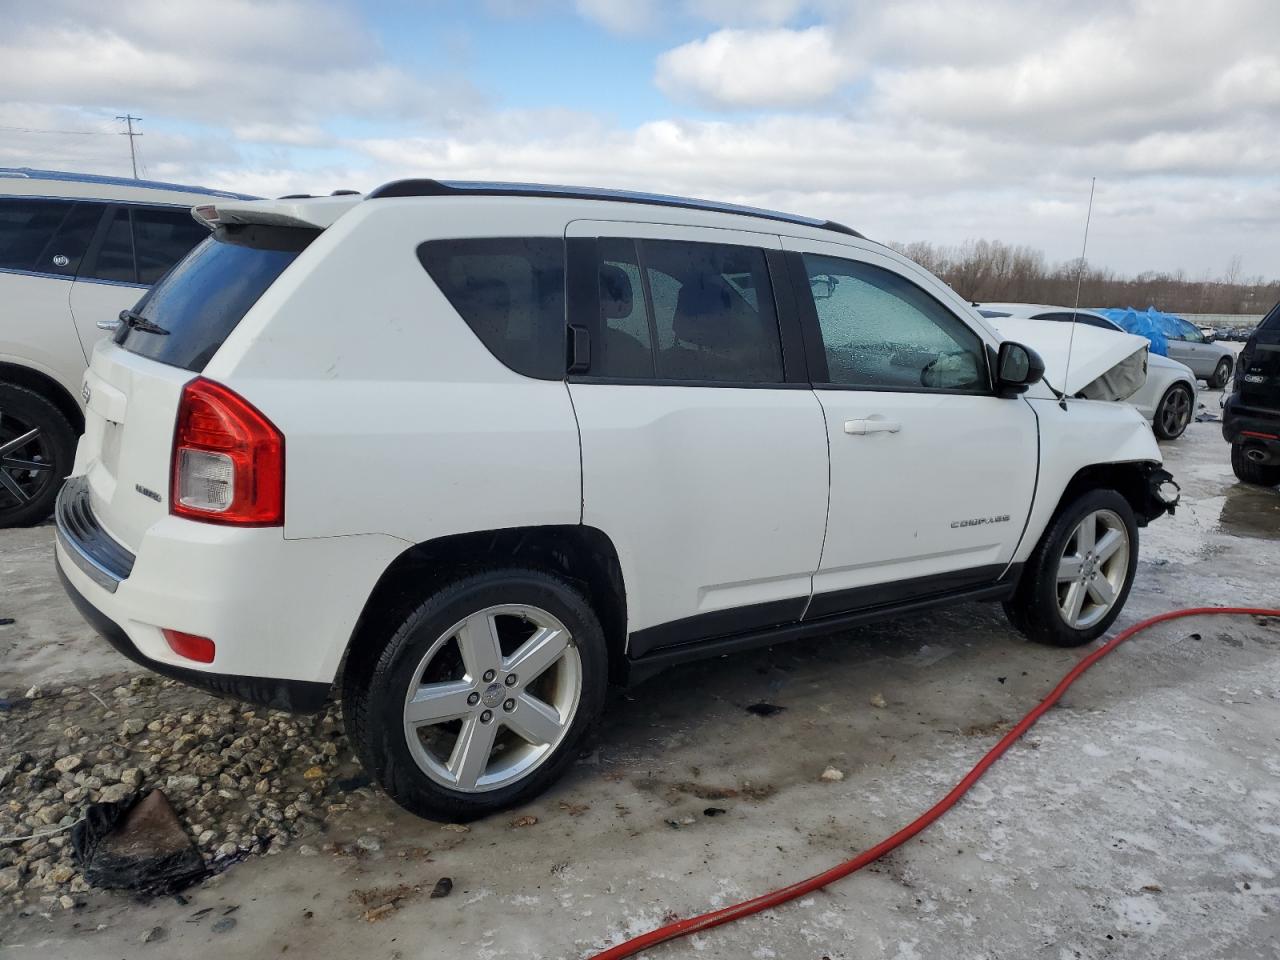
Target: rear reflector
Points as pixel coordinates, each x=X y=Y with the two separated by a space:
x=228 y=459
x=199 y=649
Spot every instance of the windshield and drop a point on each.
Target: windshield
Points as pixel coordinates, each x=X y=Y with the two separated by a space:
x=202 y=299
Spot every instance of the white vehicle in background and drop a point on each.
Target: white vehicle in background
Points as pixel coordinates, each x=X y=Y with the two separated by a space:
x=1168 y=398
x=467 y=453
x=75 y=250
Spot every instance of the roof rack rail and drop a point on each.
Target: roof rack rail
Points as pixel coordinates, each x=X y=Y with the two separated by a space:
x=472 y=188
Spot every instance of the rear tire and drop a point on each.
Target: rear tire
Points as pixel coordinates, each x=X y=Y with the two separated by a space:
x=37 y=450
x=1221 y=374
x=1263 y=474
x=1173 y=413
x=453 y=730
x=1077 y=581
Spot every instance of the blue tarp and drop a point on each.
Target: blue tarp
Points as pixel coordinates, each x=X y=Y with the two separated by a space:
x=1150 y=323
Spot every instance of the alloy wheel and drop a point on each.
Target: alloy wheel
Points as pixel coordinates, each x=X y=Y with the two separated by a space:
x=492 y=698
x=26 y=461
x=1175 y=412
x=1092 y=569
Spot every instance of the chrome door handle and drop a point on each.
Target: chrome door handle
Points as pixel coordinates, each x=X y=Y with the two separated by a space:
x=859 y=428
x=108 y=324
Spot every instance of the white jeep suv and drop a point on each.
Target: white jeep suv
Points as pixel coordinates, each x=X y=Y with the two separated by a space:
x=470 y=452
x=75 y=250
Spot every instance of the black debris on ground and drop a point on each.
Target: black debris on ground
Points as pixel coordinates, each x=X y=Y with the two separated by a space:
x=763 y=709
x=136 y=844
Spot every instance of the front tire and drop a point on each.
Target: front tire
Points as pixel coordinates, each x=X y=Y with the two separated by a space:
x=1221 y=374
x=477 y=701
x=37 y=449
x=1077 y=580
x=1263 y=474
x=1173 y=413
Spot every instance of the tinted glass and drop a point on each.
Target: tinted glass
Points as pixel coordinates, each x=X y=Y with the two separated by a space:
x=26 y=227
x=115 y=257
x=510 y=291
x=206 y=295
x=711 y=312
x=879 y=330
x=162 y=238
x=67 y=249
x=1187 y=331
x=622 y=345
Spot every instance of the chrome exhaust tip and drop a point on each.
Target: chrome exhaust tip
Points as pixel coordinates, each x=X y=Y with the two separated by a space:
x=1256 y=454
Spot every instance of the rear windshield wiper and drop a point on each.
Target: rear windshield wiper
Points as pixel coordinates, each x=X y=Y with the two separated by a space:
x=136 y=321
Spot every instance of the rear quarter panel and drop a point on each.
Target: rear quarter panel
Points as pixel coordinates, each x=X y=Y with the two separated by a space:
x=397 y=419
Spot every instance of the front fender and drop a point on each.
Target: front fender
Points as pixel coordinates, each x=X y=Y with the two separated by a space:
x=1091 y=434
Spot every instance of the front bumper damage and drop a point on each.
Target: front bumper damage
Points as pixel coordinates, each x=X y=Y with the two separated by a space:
x=1161 y=494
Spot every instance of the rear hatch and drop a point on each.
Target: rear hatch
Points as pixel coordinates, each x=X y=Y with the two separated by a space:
x=134 y=382
x=1258 y=373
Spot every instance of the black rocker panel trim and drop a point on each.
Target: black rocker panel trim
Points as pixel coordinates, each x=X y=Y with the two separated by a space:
x=711 y=631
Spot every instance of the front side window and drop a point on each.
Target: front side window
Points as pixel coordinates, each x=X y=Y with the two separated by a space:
x=881 y=331
x=1187 y=331
x=683 y=311
x=510 y=292
x=115 y=259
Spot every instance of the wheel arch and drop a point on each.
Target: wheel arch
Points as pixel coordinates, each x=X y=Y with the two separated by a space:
x=583 y=555
x=1130 y=479
x=47 y=387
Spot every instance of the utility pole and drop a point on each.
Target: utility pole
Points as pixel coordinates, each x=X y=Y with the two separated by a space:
x=133 y=156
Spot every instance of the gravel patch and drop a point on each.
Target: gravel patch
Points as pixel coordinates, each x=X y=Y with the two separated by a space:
x=244 y=781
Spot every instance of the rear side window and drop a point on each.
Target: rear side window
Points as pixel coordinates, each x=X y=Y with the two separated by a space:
x=207 y=294
x=47 y=236
x=674 y=310
x=510 y=292
x=1088 y=319
x=115 y=256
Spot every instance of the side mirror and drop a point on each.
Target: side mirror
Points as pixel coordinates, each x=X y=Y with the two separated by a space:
x=1017 y=367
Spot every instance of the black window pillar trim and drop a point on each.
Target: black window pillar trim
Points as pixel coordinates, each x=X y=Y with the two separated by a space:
x=795 y=366
x=581 y=294
x=807 y=318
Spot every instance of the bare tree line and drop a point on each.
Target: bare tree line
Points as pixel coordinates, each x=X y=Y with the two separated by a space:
x=988 y=270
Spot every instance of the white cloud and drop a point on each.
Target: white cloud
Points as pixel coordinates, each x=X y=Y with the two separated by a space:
x=620 y=16
x=755 y=68
x=233 y=62
x=746 y=12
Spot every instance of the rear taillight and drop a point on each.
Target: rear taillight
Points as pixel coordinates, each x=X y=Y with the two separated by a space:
x=228 y=460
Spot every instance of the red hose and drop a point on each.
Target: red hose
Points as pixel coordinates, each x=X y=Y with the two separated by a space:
x=682 y=928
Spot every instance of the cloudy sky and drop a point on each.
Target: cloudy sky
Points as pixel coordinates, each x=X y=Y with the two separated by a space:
x=912 y=120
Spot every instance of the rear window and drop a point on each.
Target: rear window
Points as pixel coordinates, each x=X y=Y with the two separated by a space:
x=510 y=291
x=207 y=294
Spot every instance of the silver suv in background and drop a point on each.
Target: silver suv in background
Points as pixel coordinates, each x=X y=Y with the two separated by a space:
x=75 y=250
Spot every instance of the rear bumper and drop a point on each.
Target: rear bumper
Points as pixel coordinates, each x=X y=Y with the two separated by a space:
x=1253 y=427
x=280 y=612
x=295 y=696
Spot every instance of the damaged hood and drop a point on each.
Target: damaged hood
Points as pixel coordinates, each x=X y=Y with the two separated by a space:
x=1105 y=364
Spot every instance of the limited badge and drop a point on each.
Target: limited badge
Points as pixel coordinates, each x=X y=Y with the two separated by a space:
x=60 y=260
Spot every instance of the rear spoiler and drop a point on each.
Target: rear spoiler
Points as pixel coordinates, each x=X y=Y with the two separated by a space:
x=317 y=213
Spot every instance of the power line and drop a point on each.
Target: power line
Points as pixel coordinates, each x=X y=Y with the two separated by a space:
x=69 y=133
x=133 y=156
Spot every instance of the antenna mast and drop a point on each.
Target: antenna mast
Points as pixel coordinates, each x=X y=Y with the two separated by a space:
x=1062 y=401
x=133 y=156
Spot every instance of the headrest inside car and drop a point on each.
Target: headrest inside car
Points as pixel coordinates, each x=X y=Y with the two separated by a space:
x=704 y=314
x=615 y=292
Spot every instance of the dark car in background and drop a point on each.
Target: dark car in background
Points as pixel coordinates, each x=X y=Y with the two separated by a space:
x=1251 y=414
